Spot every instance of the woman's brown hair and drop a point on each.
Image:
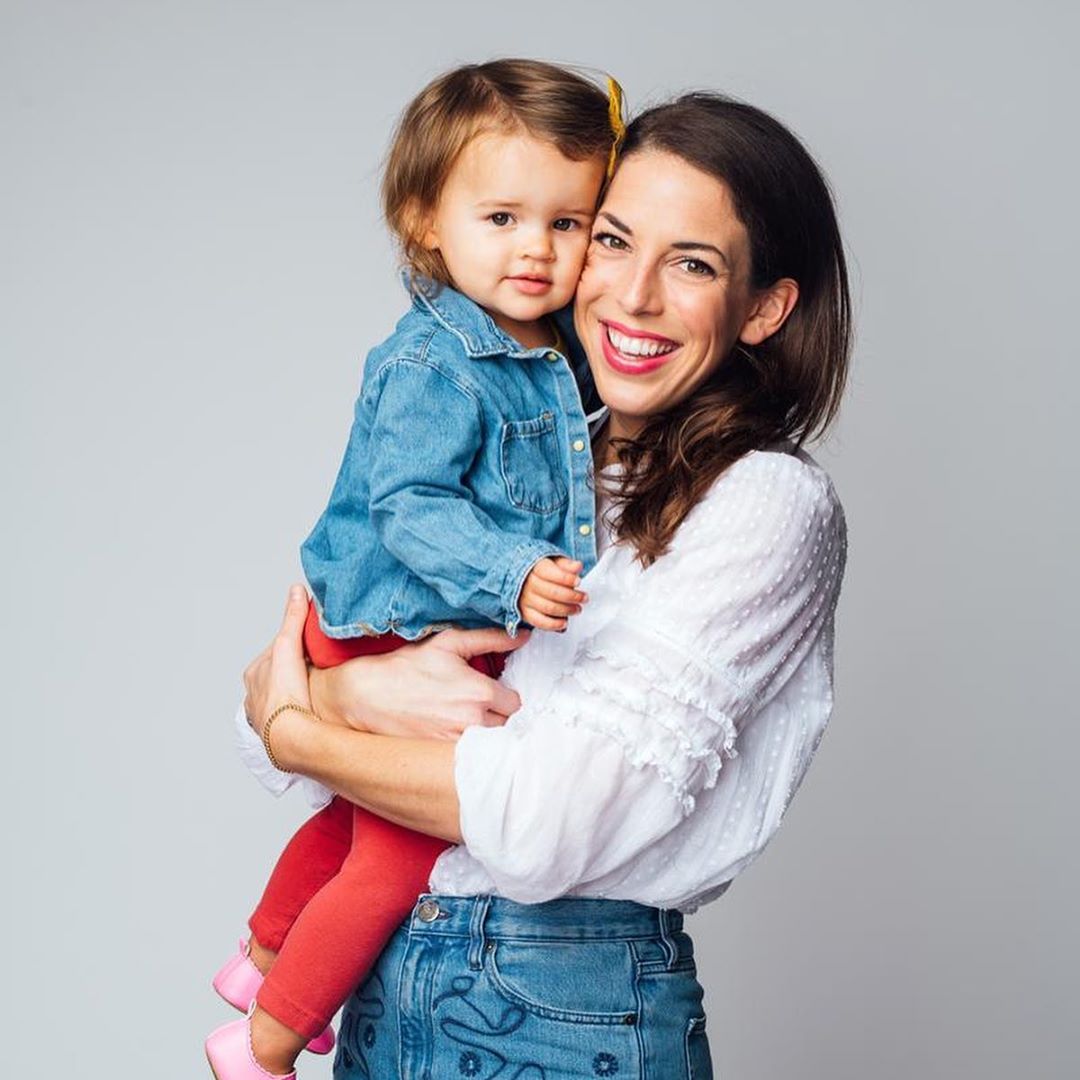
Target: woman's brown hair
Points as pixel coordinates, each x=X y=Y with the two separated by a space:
x=788 y=388
x=548 y=101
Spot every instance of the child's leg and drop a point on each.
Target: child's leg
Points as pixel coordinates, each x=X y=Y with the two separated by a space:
x=343 y=928
x=316 y=852
x=311 y=858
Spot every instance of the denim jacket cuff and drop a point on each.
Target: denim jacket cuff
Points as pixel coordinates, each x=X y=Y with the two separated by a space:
x=522 y=560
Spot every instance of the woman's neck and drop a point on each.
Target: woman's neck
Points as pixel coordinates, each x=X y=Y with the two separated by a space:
x=616 y=426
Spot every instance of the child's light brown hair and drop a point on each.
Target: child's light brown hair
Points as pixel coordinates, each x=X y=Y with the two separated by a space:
x=548 y=101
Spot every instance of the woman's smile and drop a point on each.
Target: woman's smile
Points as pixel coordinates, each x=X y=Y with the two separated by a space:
x=634 y=352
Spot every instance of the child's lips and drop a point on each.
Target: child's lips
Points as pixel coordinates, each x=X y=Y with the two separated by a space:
x=530 y=284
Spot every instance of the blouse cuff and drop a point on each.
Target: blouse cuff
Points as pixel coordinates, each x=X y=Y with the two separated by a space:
x=253 y=755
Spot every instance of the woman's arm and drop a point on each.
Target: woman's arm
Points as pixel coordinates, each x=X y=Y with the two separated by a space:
x=409 y=781
x=426 y=690
x=435 y=692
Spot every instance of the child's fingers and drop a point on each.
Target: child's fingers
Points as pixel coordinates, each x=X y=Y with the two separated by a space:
x=549 y=570
x=553 y=607
x=561 y=593
x=571 y=566
x=544 y=622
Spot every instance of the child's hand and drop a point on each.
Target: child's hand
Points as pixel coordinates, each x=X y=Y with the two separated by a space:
x=550 y=594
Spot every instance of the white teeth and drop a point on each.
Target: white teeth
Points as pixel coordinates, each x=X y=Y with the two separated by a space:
x=636 y=346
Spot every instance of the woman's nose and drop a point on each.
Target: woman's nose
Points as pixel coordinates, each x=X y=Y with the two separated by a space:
x=639 y=293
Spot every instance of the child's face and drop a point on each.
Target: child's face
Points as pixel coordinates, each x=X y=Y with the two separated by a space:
x=512 y=226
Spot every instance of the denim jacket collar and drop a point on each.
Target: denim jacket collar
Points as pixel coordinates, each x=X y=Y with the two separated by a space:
x=477 y=331
x=464 y=318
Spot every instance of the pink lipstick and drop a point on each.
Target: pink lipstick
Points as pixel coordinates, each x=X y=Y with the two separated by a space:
x=619 y=345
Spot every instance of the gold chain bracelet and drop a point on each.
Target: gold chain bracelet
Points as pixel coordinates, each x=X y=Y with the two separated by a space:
x=269 y=723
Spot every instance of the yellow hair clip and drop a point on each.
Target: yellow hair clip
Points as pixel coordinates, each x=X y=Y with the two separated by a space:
x=618 y=125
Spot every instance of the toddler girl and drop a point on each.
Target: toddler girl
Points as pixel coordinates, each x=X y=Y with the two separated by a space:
x=464 y=496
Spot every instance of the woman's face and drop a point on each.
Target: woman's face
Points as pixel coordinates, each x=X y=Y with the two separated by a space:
x=665 y=292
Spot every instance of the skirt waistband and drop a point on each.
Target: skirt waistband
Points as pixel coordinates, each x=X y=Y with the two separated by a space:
x=569 y=918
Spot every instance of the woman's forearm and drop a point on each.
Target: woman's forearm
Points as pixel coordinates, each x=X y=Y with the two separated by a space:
x=408 y=781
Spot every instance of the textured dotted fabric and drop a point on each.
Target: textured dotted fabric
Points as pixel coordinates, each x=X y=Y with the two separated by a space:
x=663 y=735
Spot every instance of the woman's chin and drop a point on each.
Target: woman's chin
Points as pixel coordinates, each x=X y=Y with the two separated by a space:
x=624 y=396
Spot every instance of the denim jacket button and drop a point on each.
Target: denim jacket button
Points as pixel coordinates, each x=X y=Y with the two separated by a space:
x=428 y=911
x=579 y=445
x=584 y=529
x=552 y=356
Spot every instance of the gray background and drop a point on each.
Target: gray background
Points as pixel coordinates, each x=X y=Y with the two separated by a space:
x=193 y=266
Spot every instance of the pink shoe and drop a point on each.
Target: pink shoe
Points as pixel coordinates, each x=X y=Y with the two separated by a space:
x=230 y=1055
x=238 y=982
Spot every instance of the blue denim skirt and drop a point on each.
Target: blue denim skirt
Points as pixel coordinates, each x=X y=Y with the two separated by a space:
x=480 y=986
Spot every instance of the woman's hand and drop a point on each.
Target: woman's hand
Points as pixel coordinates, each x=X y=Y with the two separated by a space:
x=279 y=673
x=426 y=690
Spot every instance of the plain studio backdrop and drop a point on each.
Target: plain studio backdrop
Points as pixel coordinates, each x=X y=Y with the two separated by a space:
x=193 y=268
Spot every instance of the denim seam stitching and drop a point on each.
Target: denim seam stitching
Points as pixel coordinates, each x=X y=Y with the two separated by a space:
x=510 y=939
x=422 y=361
x=401 y=995
x=639 y=1002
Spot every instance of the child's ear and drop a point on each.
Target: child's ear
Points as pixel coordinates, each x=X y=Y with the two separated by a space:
x=420 y=222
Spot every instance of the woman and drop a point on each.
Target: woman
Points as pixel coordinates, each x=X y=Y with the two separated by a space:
x=661 y=737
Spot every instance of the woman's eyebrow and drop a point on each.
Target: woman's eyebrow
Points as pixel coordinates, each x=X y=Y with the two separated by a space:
x=694 y=245
x=616 y=222
x=681 y=245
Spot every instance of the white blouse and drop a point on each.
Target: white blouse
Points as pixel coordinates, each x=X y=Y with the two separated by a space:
x=662 y=736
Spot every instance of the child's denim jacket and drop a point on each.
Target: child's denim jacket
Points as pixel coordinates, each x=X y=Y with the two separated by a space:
x=469 y=460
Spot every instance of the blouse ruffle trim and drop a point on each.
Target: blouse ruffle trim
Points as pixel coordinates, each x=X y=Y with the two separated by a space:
x=675 y=727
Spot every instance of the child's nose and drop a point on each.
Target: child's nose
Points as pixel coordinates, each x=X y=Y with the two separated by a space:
x=538 y=244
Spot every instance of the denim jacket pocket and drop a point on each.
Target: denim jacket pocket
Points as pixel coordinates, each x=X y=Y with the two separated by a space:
x=530 y=463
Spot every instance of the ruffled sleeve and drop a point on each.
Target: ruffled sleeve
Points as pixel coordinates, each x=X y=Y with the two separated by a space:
x=645 y=711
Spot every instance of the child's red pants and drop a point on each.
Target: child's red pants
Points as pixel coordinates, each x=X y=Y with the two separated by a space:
x=343 y=884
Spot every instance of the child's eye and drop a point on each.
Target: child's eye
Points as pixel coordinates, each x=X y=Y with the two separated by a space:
x=610 y=240
x=500 y=217
x=564 y=224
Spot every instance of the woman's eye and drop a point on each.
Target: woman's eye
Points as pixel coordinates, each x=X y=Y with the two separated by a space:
x=564 y=224
x=610 y=240
x=500 y=217
x=698 y=268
